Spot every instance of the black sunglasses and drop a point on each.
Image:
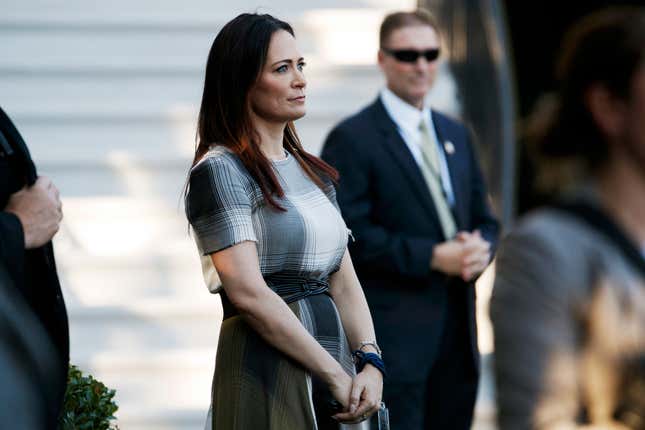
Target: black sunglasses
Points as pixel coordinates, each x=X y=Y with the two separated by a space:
x=411 y=56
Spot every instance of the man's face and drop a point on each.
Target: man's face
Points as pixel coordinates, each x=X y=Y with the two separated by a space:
x=410 y=80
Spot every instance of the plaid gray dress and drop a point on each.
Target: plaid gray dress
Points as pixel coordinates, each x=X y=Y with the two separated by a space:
x=256 y=386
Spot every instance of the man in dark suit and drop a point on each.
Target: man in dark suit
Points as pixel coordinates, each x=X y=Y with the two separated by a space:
x=412 y=192
x=30 y=217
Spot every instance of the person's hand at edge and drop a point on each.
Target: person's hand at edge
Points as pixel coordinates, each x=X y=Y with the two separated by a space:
x=39 y=210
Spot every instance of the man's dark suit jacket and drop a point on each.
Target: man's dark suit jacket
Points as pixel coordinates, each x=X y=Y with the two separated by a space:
x=28 y=365
x=33 y=272
x=386 y=203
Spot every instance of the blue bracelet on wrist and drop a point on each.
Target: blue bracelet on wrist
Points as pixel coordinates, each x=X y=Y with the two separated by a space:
x=362 y=358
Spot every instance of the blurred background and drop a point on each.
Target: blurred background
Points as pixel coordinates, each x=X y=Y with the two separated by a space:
x=106 y=96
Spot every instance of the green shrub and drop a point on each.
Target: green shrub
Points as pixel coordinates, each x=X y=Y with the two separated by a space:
x=88 y=404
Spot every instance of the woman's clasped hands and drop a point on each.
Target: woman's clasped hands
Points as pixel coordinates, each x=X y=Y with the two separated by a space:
x=360 y=396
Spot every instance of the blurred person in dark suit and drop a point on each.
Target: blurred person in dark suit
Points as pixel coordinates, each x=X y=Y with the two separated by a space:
x=28 y=365
x=568 y=305
x=412 y=192
x=30 y=217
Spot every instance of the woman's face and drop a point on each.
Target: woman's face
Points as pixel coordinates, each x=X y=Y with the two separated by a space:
x=279 y=93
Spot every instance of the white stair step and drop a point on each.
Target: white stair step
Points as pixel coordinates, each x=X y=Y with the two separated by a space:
x=194 y=12
x=163 y=419
x=36 y=97
x=164 y=180
x=153 y=310
x=126 y=331
x=146 y=362
x=155 y=139
x=99 y=49
x=171 y=387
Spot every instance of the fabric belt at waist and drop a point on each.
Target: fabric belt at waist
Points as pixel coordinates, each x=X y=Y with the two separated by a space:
x=289 y=288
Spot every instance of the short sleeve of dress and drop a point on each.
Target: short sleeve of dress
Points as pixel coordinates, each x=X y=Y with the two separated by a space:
x=218 y=205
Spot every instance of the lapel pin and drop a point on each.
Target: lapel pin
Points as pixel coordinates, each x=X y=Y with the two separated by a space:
x=449 y=147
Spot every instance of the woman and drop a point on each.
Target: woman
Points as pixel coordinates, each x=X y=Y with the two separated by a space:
x=568 y=305
x=266 y=222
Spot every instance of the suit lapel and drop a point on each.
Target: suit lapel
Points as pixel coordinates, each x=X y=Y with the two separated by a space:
x=452 y=162
x=402 y=157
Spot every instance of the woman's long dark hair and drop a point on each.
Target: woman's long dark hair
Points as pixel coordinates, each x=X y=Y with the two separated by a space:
x=235 y=62
x=606 y=48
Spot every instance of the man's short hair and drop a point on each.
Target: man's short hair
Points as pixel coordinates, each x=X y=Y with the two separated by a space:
x=397 y=20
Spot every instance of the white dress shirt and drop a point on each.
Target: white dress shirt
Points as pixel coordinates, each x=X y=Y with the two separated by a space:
x=407 y=119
